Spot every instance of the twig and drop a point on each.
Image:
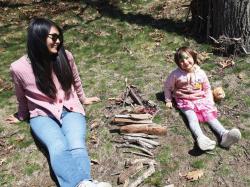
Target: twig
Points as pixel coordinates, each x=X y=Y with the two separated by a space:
x=9 y=135
x=225 y=181
x=136 y=147
x=151 y=142
x=141 y=143
x=245 y=51
x=145 y=175
x=246 y=152
x=214 y=40
x=139 y=154
x=140 y=135
x=134 y=97
x=129 y=172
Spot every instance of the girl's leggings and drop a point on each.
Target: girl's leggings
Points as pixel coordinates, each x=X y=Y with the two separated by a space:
x=195 y=126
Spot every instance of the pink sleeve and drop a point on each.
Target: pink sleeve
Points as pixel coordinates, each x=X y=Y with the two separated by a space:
x=169 y=87
x=207 y=88
x=23 y=112
x=76 y=77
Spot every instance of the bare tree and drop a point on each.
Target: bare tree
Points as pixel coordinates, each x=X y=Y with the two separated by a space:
x=226 y=22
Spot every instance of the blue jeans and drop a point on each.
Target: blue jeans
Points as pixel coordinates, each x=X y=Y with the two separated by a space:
x=65 y=142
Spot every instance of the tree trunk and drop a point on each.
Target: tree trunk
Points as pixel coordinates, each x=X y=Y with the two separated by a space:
x=225 y=21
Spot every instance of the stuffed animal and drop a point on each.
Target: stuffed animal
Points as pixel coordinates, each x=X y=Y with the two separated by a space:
x=218 y=93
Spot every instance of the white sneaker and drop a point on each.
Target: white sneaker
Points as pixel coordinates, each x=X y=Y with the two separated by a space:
x=205 y=143
x=93 y=184
x=102 y=184
x=230 y=137
x=86 y=184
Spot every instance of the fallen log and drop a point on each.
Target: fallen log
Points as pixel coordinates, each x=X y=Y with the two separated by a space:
x=144 y=128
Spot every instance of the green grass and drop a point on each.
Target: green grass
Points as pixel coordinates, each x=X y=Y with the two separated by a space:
x=31 y=168
x=198 y=164
x=107 y=50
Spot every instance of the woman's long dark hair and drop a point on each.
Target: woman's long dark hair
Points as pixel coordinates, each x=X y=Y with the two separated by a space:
x=43 y=62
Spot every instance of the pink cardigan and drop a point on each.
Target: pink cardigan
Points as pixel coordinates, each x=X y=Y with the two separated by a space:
x=191 y=91
x=32 y=102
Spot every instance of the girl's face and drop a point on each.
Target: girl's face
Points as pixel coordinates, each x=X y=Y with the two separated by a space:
x=53 y=40
x=186 y=62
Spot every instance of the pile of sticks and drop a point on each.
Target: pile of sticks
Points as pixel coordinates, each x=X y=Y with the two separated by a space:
x=138 y=133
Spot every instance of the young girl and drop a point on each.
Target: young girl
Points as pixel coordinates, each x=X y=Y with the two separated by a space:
x=50 y=95
x=189 y=87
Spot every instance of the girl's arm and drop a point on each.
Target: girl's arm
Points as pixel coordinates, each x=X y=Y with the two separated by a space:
x=169 y=87
x=207 y=88
x=23 y=112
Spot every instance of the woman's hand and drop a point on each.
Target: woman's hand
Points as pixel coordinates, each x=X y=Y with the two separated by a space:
x=12 y=119
x=169 y=104
x=91 y=100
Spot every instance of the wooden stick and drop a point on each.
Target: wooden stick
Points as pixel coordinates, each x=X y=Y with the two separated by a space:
x=144 y=128
x=141 y=143
x=124 y=120
x=143 y=135
x=132 y=170
x=136 y=147
x=135 y=97
x=135 y=116
x=139 y=154
x=151 y=142
x=145 y=175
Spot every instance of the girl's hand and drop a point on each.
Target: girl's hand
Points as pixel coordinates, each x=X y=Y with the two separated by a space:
x=12 y=119
x=169 y=104
x=91 y=100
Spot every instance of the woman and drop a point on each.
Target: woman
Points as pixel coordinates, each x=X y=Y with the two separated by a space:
x=49 y=93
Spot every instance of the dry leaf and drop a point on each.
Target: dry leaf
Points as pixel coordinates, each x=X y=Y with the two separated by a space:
x=94 y=125
x=194 y=175
x=203 y=56
x=226 y=63
x=241 y=75
x=3 y=161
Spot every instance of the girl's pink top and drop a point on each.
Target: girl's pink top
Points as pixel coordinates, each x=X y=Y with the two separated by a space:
x=32 y=102
x=191 y=91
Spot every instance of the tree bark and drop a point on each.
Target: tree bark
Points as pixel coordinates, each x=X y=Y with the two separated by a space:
x=223 y=19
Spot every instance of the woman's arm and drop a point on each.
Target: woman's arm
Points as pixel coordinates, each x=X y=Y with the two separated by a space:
x=23 y=112
x=78 y=84
x=77 y=80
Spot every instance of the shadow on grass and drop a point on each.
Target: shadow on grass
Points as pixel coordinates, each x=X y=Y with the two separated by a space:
x=105 y=8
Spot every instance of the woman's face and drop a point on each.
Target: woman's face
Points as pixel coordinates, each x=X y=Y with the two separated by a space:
x=53 y=40
x=186 y=62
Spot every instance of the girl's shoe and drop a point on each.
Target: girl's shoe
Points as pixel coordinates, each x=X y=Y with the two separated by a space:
x=205 y=143
x=102 y=184
x=86 y=184
x=93 y=184
x=230 y=137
